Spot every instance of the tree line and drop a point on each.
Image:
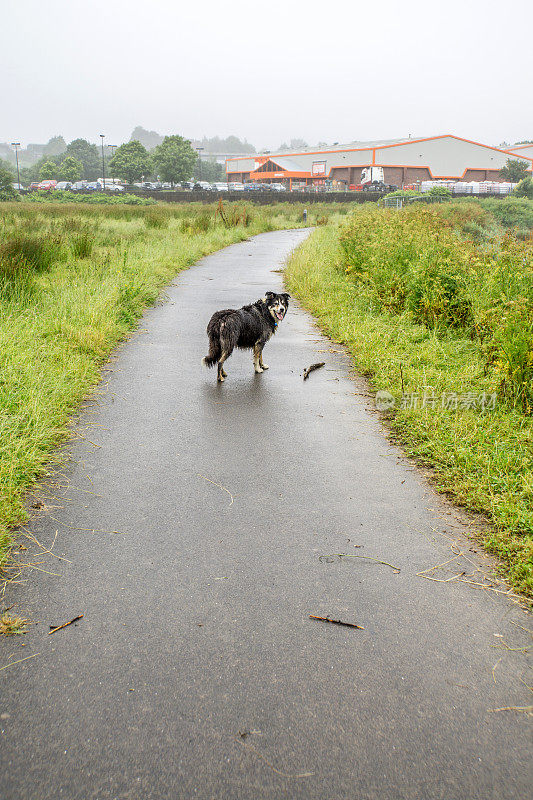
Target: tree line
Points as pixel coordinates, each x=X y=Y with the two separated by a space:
x=173 y=160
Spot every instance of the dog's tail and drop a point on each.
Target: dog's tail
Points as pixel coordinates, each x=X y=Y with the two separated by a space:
x=215 y=351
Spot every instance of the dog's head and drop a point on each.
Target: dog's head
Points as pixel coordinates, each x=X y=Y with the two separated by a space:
x=277 y=305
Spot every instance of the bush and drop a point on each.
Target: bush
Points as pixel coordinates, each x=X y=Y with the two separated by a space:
x=6 y=185
x=524 y=189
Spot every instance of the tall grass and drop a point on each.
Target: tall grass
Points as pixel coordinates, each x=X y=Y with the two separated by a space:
x=484 y=459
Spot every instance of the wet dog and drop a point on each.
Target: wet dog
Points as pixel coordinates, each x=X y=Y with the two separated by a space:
x=248 y=328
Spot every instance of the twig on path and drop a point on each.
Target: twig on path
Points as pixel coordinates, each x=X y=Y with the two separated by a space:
x=65 y=624
x=219 y=486
x=337 y=622
x=272 y=767
x=494 y=667
x=524 y=709
x=19 y=661
x=366 y=558
x=88 y=530
x=312 y=368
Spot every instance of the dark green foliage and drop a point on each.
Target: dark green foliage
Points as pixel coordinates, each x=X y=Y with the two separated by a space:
x=48 y=171
x=130 y=162
x=524 y=189
x=89 y=157
x=210 y=171
x=70 y=169
x=514 y=170
x=174 y=159
x=6 y=184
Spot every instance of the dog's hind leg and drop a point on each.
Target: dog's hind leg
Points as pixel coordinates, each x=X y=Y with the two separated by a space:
x=261 y=362
x=257 y=359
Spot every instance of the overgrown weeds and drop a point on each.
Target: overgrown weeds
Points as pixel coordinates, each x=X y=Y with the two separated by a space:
x=484 y=458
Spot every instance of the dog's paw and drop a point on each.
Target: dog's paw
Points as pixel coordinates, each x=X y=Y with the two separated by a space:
x=221 y=379
x=265 y=366
x=258 y=370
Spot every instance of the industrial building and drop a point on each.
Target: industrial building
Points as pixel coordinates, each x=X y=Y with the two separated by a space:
x=404 y=161
x=521 y=150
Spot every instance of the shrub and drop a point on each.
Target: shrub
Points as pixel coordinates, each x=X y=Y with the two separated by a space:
x=524 y=189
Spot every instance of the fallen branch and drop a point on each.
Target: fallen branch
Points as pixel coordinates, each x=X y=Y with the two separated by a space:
x=366 y=558
x=524 y=709
x=219 y=486
x=272 y=767
x=337 y=622
x=312 y=368
x=65 y=624
x=19 y=661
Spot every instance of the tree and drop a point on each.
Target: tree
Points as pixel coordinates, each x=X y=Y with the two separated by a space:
x=6 y=182
x=130 y=162
x=210 y=171
x=174 y=159
x=514 y=170
x=48 y=171
x=87 y=153
x=150 y=139
x=55 y=147
x=524 y=189
x=70 y=169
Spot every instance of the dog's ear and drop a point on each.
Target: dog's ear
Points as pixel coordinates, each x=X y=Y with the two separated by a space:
x=286 y=295
x=269 y=295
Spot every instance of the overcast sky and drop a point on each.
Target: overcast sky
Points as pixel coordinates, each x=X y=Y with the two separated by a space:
x=269 y=71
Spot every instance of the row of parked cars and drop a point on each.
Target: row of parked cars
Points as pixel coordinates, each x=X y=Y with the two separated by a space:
x=113 y=185
x=77 y=186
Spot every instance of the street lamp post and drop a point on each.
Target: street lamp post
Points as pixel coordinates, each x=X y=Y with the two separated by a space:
x=198 y=149
x=102 y=137
x=16 y=145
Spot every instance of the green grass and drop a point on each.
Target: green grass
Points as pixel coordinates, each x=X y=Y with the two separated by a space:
x=74 y=280
x=485 y=460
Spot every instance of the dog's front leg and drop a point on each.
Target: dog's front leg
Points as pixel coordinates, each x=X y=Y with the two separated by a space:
x=257 y=358
x=261 y=362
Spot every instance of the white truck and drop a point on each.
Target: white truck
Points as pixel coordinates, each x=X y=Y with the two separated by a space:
x=373 y=180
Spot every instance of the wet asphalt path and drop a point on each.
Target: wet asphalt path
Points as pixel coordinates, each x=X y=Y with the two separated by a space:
x=196 y=671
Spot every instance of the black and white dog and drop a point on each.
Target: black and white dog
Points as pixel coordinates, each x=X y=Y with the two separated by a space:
x=249 y=327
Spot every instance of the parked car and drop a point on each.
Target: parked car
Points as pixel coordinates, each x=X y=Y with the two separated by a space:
x=17 y=186
x=47 y=186
x=278 y=187
x=220 y=187
x=34 y=185
x=78 y=186
x=63 y=186
x=166 y=185
x=202 y=186
x=236 y=187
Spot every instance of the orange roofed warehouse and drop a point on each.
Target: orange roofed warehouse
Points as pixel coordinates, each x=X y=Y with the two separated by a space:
x=404 y=161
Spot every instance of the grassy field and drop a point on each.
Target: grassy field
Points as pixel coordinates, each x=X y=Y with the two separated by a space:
x=74 y=280
x=437 y=308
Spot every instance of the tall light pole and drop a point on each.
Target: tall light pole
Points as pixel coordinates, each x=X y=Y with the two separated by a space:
x=16 y=145
x=198 y=149
x=102 y=137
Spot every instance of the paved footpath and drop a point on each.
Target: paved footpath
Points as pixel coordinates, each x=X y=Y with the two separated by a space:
x=196 y=671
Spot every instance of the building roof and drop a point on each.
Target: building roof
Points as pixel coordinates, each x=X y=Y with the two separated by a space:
x=444 y=156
